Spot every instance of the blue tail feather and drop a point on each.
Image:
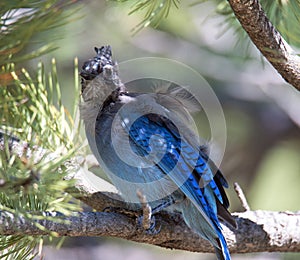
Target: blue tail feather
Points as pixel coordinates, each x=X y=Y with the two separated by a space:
x=197 y=223
x=222 y=252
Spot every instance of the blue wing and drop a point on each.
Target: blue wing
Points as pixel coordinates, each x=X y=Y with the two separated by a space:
x=186 y=166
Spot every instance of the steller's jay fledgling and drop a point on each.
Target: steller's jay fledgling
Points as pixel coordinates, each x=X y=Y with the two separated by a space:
x=144 y=143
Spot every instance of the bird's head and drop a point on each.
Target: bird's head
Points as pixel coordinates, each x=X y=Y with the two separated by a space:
x=99 y=75
x=100 y=68
x=99 y=81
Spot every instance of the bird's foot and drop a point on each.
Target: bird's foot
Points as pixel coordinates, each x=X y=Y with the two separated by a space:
x=149 y=225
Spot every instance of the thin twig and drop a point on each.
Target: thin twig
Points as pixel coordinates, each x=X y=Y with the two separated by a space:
x=241 y=196
x=147 y=211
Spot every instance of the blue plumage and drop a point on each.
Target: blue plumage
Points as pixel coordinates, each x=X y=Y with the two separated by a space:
x=167 y=163
x=204 y=198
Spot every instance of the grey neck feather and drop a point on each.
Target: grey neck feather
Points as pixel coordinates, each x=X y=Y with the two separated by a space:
x=97 y=91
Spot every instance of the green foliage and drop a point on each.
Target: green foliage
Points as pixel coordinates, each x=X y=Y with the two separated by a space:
x=21 y=20
x=285 y=15
x=155 y=11
x=20 y=247
x=32 y=181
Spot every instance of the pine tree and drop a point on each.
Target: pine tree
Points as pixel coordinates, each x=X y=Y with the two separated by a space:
x=40 y=155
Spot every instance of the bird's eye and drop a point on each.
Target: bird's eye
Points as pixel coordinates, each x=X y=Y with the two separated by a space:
x=91 y=69
x=86 y=66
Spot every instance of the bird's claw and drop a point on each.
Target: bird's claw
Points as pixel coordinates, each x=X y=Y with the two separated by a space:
x=151 y=230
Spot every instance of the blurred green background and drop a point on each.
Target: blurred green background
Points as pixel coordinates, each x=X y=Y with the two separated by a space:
x=262 y=112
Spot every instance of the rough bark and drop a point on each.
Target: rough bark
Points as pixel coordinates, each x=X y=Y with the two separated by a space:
x=267 y=39
x=259 y=231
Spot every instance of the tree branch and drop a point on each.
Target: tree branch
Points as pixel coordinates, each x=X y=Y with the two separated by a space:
x=267 y=39
x=258 y=231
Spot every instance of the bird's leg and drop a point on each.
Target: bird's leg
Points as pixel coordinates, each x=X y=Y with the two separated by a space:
x=147 y=220
x=168 y=202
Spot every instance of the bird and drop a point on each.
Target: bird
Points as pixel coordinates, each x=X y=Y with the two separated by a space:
x=144 y=143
